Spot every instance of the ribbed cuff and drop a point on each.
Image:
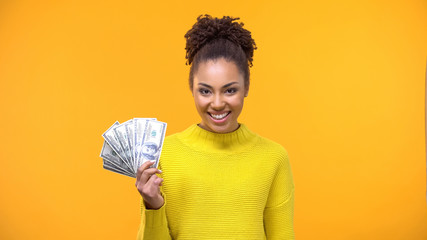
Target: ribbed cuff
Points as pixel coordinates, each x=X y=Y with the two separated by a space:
x=156 y=217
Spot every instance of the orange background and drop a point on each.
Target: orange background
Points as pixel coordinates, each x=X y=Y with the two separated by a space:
x=340 y=84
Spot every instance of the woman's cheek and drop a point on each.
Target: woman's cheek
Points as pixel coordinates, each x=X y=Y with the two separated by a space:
x=201 y=105
x=237 y=102
x=203 y=102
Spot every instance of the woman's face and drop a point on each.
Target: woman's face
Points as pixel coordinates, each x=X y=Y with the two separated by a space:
x=219 y=91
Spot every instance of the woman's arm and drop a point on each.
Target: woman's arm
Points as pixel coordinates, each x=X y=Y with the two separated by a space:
x=279 y=209
x=154 y=223
x=153 y=204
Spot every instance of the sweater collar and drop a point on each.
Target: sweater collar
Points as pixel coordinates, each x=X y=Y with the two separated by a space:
x=204 y=140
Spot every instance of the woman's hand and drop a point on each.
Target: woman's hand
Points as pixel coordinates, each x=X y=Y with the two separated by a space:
x=148 y=185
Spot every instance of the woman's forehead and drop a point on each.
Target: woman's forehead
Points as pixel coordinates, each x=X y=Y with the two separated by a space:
x=218 y=72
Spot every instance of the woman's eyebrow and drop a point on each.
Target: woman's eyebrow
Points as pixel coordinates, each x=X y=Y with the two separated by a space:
x=209 y=86
x=206 y=85
x=228 y=84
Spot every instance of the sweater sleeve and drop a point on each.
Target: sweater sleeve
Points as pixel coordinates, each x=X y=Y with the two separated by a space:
x=154 y=223
x=279 y=209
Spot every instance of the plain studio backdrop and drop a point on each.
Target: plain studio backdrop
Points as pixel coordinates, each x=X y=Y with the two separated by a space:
x=340 y=84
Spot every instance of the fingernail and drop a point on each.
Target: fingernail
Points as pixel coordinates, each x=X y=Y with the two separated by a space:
x=160 y=170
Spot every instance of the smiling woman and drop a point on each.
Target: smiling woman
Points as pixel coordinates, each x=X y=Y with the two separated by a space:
x=218 y=179
x=218 y=95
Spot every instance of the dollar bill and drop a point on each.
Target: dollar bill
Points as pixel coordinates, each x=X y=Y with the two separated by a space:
x=111 y=167
x=152 y=142
x=130 y=144
x=138 y=136
x=108 y=154
x=112 y=140
x=122 y=136
x=130 y=133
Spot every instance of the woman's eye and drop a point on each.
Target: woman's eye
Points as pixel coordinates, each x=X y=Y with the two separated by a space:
x=231 y=90
x=204 y=91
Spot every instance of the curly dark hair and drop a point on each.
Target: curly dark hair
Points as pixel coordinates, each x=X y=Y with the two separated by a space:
x=212 y=38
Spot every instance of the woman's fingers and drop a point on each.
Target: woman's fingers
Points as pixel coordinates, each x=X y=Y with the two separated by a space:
x=155 y=181
x=150 y=191
x=148 y=185
x=142 y=168
x=145 y=176
x=144 y=173
x=153 y=185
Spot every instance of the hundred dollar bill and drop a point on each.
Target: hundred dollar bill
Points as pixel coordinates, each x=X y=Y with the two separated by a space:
x=112 y=140
x=138 y=136
x=130 y=132
x=108 y=154
x=109 y=166
x=122 y=136
x=152 y=142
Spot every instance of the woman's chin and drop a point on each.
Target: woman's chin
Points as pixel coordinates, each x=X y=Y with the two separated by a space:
x=223 y=128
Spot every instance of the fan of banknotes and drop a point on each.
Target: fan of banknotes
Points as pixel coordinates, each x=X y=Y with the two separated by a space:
x=130 y=144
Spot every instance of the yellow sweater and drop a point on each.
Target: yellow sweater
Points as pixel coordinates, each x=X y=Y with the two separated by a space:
x=235 y=185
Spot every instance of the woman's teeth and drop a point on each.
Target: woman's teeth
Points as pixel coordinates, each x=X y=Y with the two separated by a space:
x=220 y=116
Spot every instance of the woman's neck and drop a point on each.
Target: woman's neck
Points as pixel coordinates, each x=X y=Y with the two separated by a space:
x=201 y=125
x=201 y=139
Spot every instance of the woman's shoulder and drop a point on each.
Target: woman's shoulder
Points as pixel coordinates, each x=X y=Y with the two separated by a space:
x=271 y=146
x=276 y=153
x=171 y=138
x=174 y=138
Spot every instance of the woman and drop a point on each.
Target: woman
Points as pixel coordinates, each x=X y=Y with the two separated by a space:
x=218 y=179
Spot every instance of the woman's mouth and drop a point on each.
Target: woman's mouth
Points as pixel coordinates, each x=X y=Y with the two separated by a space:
x=219 y=118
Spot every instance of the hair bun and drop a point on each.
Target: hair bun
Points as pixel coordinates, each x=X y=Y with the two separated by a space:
x=208 y=28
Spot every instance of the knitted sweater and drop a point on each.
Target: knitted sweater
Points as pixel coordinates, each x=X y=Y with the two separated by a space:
x=235 y=185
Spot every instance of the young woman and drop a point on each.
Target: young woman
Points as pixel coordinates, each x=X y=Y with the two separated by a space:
x=218 y=179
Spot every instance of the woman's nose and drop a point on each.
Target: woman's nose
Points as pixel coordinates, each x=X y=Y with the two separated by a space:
x=218 y=102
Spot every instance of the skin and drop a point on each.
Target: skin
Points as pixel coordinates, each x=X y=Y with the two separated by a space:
x=148 y=185
x=218 y=88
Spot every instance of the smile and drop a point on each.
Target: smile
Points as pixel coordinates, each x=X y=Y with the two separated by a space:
x=219 y=116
